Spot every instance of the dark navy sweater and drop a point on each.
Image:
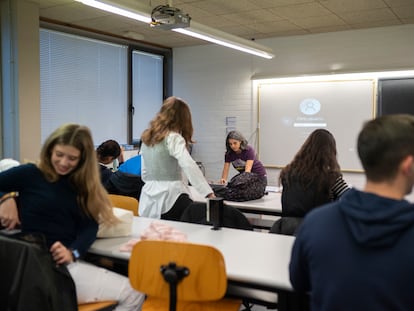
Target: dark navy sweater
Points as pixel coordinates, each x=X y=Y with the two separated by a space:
x=49 y=208
x=356 y=254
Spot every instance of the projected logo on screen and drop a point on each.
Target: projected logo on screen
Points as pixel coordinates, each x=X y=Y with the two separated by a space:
x=310 y=107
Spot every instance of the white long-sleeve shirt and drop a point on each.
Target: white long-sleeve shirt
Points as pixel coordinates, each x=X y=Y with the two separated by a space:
x=165 y=167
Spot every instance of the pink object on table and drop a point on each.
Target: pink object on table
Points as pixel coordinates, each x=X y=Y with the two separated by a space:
x=156 y=231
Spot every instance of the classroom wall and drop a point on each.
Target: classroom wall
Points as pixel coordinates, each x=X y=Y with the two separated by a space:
x=29 y=87
x=21 y=74
x=217 y=81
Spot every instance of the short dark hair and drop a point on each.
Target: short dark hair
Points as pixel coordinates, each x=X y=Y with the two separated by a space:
x=383 y=143
x=109 y=148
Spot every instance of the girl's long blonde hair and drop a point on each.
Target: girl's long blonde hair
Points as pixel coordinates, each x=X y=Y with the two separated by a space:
x=92 y=196
x=174 y=116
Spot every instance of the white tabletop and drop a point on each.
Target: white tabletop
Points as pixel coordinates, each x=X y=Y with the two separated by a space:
x=252 y=258
x=269 y=204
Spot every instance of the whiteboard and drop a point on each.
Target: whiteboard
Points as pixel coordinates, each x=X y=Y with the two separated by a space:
x=289 y=112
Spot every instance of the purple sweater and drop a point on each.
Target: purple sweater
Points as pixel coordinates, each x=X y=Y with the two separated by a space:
x=238 y=160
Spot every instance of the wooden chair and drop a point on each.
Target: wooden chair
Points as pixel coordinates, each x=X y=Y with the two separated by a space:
x=180 y=276
x=125 y=202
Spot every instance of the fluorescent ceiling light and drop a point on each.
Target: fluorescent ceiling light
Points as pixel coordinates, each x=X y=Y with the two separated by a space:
x=222 y=38
x=118 y=9
x=337 y=76
x=195 y=30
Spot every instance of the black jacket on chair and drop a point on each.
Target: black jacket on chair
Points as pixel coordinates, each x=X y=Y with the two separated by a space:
x=124 y=184
x=30 y=279
x=232 y=217
x=286 y=225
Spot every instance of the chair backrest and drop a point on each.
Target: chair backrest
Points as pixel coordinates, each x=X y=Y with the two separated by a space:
x=207 y=279
x=125 y=202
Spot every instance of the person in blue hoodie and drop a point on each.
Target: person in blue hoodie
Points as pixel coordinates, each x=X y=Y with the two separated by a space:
x=357 y=253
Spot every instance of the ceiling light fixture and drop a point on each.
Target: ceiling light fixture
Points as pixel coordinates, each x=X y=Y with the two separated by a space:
x=196 y=30
x=222 y=38
x=118 y=9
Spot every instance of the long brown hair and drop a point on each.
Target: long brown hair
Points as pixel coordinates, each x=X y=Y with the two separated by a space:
x=92 y=196
x=175 y=116
x=315 y=162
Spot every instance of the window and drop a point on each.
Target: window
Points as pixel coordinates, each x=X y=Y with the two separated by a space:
x=147 y=77
x=85 y=81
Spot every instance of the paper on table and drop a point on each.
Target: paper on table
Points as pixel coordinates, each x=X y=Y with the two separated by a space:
x=273 y=189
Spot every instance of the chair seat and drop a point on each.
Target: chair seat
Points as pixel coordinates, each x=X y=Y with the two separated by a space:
x=156 y=304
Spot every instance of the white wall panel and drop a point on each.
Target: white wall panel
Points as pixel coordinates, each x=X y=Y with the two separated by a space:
x=217 y=82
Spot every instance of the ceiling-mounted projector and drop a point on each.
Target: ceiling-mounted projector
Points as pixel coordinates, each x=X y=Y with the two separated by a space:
x=166 y=17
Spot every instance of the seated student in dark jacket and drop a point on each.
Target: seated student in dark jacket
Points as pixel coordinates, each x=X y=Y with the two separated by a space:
x=127 y=179
x=313 y=178
x=107 y=152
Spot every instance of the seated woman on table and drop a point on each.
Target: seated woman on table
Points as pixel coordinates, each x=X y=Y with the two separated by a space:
x=166 y=161
x=313 y=178
x=63 y=199
x=243 y=158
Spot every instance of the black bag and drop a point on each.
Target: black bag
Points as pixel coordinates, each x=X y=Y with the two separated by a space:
x=31 y=280
x=243 y=187
x=124 y=184
x=232 y=217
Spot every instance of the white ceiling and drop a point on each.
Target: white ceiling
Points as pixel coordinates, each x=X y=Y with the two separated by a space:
x=250 y=19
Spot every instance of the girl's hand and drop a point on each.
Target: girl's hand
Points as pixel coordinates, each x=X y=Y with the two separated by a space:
x=61 y=255
x=211 y=196
x=223 y=181
x=9 y=216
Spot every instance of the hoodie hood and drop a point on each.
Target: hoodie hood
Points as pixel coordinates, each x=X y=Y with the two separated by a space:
x=375 y=221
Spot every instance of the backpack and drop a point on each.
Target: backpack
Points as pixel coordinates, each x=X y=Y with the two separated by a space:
x=243 y=187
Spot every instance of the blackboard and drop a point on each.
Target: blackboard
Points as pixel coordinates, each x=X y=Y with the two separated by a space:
x=289 y=112
x=395 y=96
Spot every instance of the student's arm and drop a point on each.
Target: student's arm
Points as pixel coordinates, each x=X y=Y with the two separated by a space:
x=225 y=172
x=177 y=148
x=9 y=216
x=61 y=254
x=250 y=155
x=249 y=165
x=86 y=235
x=339 y=188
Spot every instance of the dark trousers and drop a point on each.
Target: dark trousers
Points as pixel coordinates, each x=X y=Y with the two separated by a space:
x=178 y=208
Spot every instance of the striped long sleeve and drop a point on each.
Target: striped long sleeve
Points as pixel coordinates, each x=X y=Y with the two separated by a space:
x=339 y=188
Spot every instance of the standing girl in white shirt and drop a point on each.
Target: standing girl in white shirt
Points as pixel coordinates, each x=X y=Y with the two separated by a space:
x=165 y=161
